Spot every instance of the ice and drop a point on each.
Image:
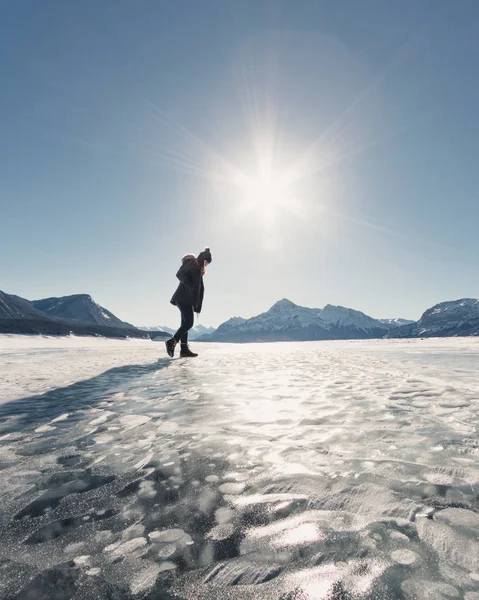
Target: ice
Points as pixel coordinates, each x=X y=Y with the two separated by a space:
x=166 y=566
x=134 y=531
x=144 y=461
x=130 y=547
x=102 y=418
x=60 y=418
x=224 y=515
x=428 y=590
x=221 y=532
x=453 y=543
x=132 y=421
x=242 y=572
x=459 y=517
x=82 y=560
x=169 y=535
x=37 y=363
x=167 y=551
x=232 y=488
x=73 y=548
x=44 y=428
x=404 y=557
x=318 y=470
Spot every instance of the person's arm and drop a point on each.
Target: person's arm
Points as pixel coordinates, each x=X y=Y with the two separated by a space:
x=197 y=287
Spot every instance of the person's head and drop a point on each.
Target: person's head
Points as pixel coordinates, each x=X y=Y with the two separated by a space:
x=204 y=258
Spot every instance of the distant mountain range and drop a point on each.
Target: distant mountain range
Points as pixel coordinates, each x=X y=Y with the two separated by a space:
x=286 y=321
x=193 y=334
x=79 y=307
x=392 y=323
x=455 y=318
x=78 y=314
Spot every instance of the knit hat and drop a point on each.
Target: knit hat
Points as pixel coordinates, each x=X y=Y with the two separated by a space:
x=205 y=255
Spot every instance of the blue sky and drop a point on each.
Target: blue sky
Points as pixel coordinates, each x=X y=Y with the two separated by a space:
x=325 y=151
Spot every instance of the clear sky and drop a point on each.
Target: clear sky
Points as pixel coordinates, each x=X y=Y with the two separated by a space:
x=325 y=151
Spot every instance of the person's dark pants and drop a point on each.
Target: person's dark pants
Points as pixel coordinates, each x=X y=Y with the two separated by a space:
x=187 y=322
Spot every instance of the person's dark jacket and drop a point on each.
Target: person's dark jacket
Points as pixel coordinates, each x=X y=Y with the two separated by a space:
x=191 y=290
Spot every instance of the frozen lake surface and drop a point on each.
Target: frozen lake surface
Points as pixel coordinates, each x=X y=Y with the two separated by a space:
x=296 y=471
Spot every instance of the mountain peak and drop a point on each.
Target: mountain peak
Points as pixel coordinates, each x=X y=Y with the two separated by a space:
x=396 y=322
x=286 y=320
x=453 y=317
x=458 y=310
x=335 y=307
x=283 y=304
x=79 y=307
x=456 y=303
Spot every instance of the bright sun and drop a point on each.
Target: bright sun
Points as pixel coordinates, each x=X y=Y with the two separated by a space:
x=265 y=194
x=265 y=191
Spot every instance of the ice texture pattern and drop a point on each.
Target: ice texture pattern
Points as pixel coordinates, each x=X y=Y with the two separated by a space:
x=336 y=470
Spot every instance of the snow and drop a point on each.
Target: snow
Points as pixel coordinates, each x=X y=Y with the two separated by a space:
x=54 y=305
x=194 y=332
x=285 y=315
x=447 y=316
x=232 y=323
x=338 y=315
x=397 y=322
x=308 y=470
x=35 y=364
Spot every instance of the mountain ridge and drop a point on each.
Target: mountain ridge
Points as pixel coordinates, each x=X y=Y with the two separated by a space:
x=396 y=322
x=15 y=307
x=283 y=321
x=287 y=321
x=193 y=334
x=85 y=317
x=81 y=308
x=446 y=319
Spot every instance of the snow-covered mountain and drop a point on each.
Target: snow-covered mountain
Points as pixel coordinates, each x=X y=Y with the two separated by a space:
x=194 y=333
x=156 y=328
x=14 y=307
x=78 y=314
x=288 y=321
x=81 y=308
x=229 y=325
x=454 y=318
x=393 y=323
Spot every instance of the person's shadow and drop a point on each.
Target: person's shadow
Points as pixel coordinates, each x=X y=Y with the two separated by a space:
x=34 y=410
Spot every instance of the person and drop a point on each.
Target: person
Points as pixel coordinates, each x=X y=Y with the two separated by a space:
x=189 y=299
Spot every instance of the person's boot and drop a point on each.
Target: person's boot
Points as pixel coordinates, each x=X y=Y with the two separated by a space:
x=170 y=346
x=186 y=352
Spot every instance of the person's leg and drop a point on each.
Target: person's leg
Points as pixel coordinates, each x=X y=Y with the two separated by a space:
x=187 y=321
x=182 y=332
